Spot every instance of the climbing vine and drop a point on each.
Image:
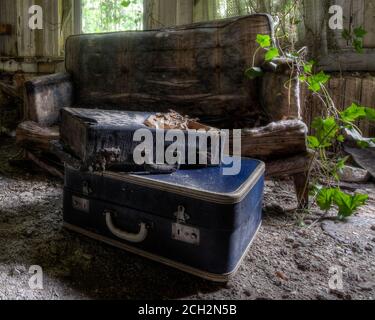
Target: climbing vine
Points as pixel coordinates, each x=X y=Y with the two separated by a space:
x=329 y=130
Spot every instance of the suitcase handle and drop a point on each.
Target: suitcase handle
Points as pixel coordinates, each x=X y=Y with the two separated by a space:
x=130 y=237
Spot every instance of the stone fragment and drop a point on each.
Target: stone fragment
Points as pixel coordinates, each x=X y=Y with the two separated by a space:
x=354 y=175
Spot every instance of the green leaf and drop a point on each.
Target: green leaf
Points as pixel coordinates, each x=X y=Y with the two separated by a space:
x=341 y=163
x=356 y=112
x=348 y=204
x=264 y=40
x=360 y=32
x=341 y=138
x=316 y=81
x=308 y=66
x=272 y=53
x=325 y=198
x=326 y=131
x=356 y=38
x=370 y=114
x=353 y=113
x=254 y=72
x=363 y=144
x=125 y=3
x=313 y=142
x=339 y=166
x=358 y=45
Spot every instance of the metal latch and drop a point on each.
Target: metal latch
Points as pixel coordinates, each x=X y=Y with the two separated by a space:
x=181 y=215
x=81 y=204
x=185 y=234
x=181 y=231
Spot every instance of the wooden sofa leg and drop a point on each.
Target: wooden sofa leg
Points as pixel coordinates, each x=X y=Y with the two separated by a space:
x=301 y=182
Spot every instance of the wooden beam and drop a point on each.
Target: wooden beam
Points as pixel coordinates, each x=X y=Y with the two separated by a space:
x=77 y=16
x=288 y=166
x=185 y=10
x=10 y=90
x=45 y=165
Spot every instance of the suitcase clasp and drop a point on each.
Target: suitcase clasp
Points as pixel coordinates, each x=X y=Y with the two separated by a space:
x=86 y=188
x=181 y=215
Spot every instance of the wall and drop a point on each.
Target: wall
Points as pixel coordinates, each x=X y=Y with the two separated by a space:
x=345 y=89
x=39 y=51
x=349 y=70
x=166 y=13
x=333 y=51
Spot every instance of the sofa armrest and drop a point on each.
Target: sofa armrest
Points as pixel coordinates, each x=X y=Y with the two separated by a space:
x=46 y=96
x=277 y=140
x=281 y=91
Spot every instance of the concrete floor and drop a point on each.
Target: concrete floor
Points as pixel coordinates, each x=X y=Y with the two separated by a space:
x=287 y=261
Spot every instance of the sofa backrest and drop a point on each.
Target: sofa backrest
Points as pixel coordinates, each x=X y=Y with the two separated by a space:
x=196 y=69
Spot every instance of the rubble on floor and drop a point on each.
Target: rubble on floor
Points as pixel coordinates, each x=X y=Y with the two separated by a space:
x=291 y=258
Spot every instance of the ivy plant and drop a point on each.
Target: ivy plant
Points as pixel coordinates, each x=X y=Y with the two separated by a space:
x=264 y=42
x=355 y=38
x=328 y=130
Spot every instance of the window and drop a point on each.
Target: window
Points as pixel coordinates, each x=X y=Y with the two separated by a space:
x=111 y=15
x=287 y=11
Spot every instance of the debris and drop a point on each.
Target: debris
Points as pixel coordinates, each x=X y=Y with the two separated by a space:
x=274 y=208
x=173 y=120
x=247 y=292
x=72 y=262
x=29 y=233
x=364 y=158
x=282 y=276
x=338 y=294
x=356 y=248
x=229 y=285
x=107 y=157
x=367 y=286
x=290 y=239
x=355 y=175
x=350 y=232
x=303 y=264
x=300 y=244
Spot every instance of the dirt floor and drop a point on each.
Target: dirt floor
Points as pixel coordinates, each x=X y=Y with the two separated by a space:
x=289 y=260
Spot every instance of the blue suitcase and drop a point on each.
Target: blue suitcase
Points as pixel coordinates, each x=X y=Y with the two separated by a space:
x=199 y=221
